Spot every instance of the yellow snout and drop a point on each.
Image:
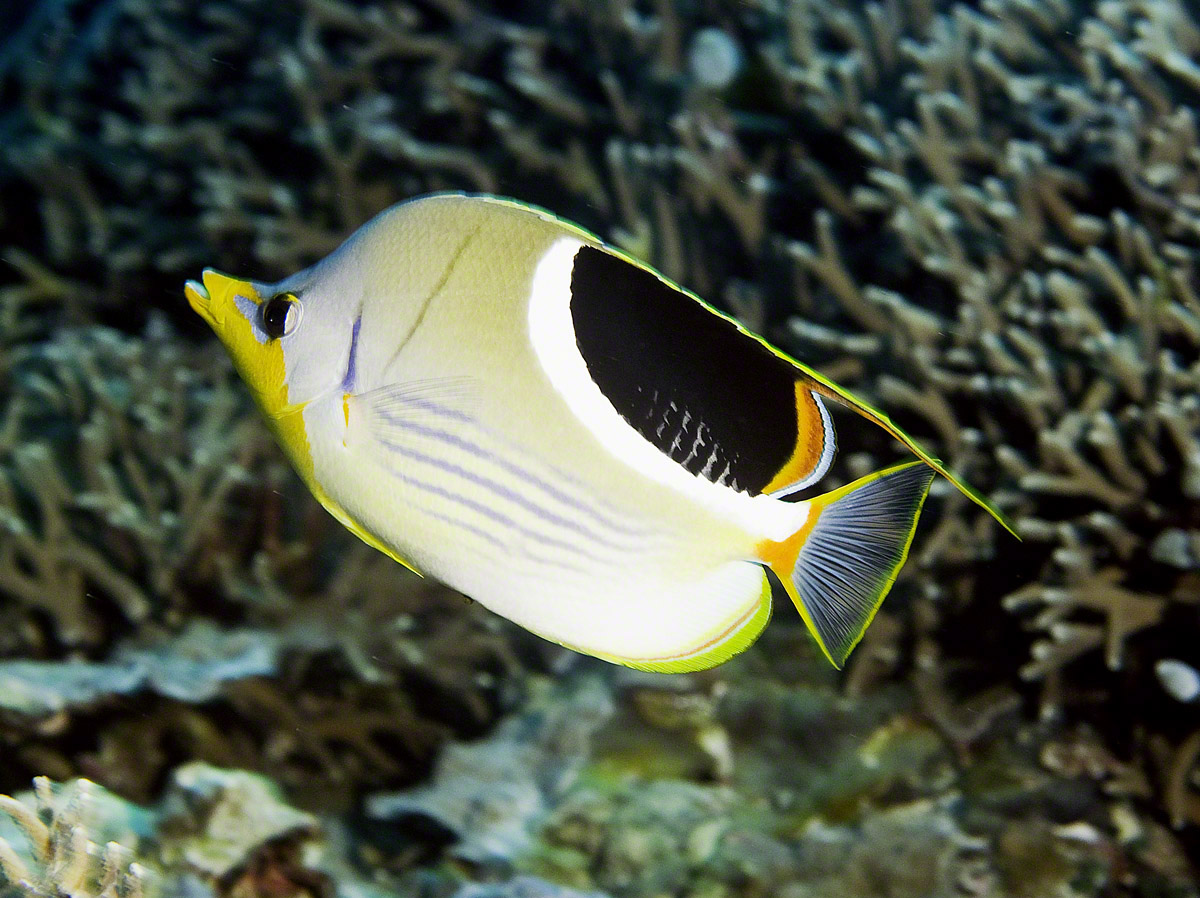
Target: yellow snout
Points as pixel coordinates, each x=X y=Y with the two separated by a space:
x=230 y=306
x=213 y=298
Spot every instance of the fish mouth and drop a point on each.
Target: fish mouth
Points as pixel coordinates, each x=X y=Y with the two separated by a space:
x=200 y=296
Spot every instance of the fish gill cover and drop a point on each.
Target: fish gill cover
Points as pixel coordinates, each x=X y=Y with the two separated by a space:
x=984 y=216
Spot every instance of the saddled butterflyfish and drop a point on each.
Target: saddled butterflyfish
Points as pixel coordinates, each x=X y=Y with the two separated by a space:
x=495 y=397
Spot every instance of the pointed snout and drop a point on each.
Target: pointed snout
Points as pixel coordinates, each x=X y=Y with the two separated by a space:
x=209 y=296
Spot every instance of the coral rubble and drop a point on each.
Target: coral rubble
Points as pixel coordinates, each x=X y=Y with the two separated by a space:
x=214 y=832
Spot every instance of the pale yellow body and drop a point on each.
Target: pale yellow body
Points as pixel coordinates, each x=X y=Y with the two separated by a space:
x=426 y=381
x=652 y=575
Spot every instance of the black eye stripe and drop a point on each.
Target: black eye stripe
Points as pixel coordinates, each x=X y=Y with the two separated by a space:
x=275 y=315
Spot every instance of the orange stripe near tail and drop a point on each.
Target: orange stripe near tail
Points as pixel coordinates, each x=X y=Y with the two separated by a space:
x=815 y=447
x=825 y=387
x=838 y=567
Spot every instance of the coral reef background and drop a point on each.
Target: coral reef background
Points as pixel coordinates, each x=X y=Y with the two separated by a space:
x=984 y=215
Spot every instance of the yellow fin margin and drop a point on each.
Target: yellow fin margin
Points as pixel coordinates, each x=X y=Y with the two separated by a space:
x=811 y=379
x=826 y=387
x=784 y=556
x=733 y=639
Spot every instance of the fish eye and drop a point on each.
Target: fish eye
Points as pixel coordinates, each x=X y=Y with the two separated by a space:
x=280 y=315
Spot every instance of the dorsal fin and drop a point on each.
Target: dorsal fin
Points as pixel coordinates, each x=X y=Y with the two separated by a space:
x=703 y=392
x=823 y=385
x=634 y=327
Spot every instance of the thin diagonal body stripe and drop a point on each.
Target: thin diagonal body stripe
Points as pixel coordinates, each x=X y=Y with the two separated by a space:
x=494 y=540
x=427 y=405
x=437 y=288
x=492 y=514
x=504 y=492
x=437 y=408
x=516 y=470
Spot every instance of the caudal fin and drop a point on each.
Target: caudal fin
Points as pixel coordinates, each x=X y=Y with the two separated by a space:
x=839 y=566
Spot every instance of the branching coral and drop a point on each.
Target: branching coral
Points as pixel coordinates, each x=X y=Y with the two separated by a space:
x=268 y=138
x=122 y=463
x=146 y=513
x=985 y=215
x=1026 y=179
x=59 y=856
x=1037 y=167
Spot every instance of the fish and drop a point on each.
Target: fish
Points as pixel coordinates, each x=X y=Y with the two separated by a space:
x=497 y=398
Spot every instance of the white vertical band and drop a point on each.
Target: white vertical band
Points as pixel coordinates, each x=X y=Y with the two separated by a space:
x=552 y=333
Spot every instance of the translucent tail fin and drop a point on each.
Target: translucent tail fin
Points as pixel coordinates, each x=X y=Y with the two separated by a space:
x=839 y=566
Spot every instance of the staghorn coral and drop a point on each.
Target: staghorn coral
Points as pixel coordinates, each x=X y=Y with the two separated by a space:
x=147 y=515
x=122 y=466
x=1044 y=182
x=1059 y=359
x=56 y=854
x=1025 y=178
x=257 y=141
x=313 y=144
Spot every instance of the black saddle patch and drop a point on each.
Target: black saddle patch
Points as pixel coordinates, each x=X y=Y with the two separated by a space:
x=707 y=395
